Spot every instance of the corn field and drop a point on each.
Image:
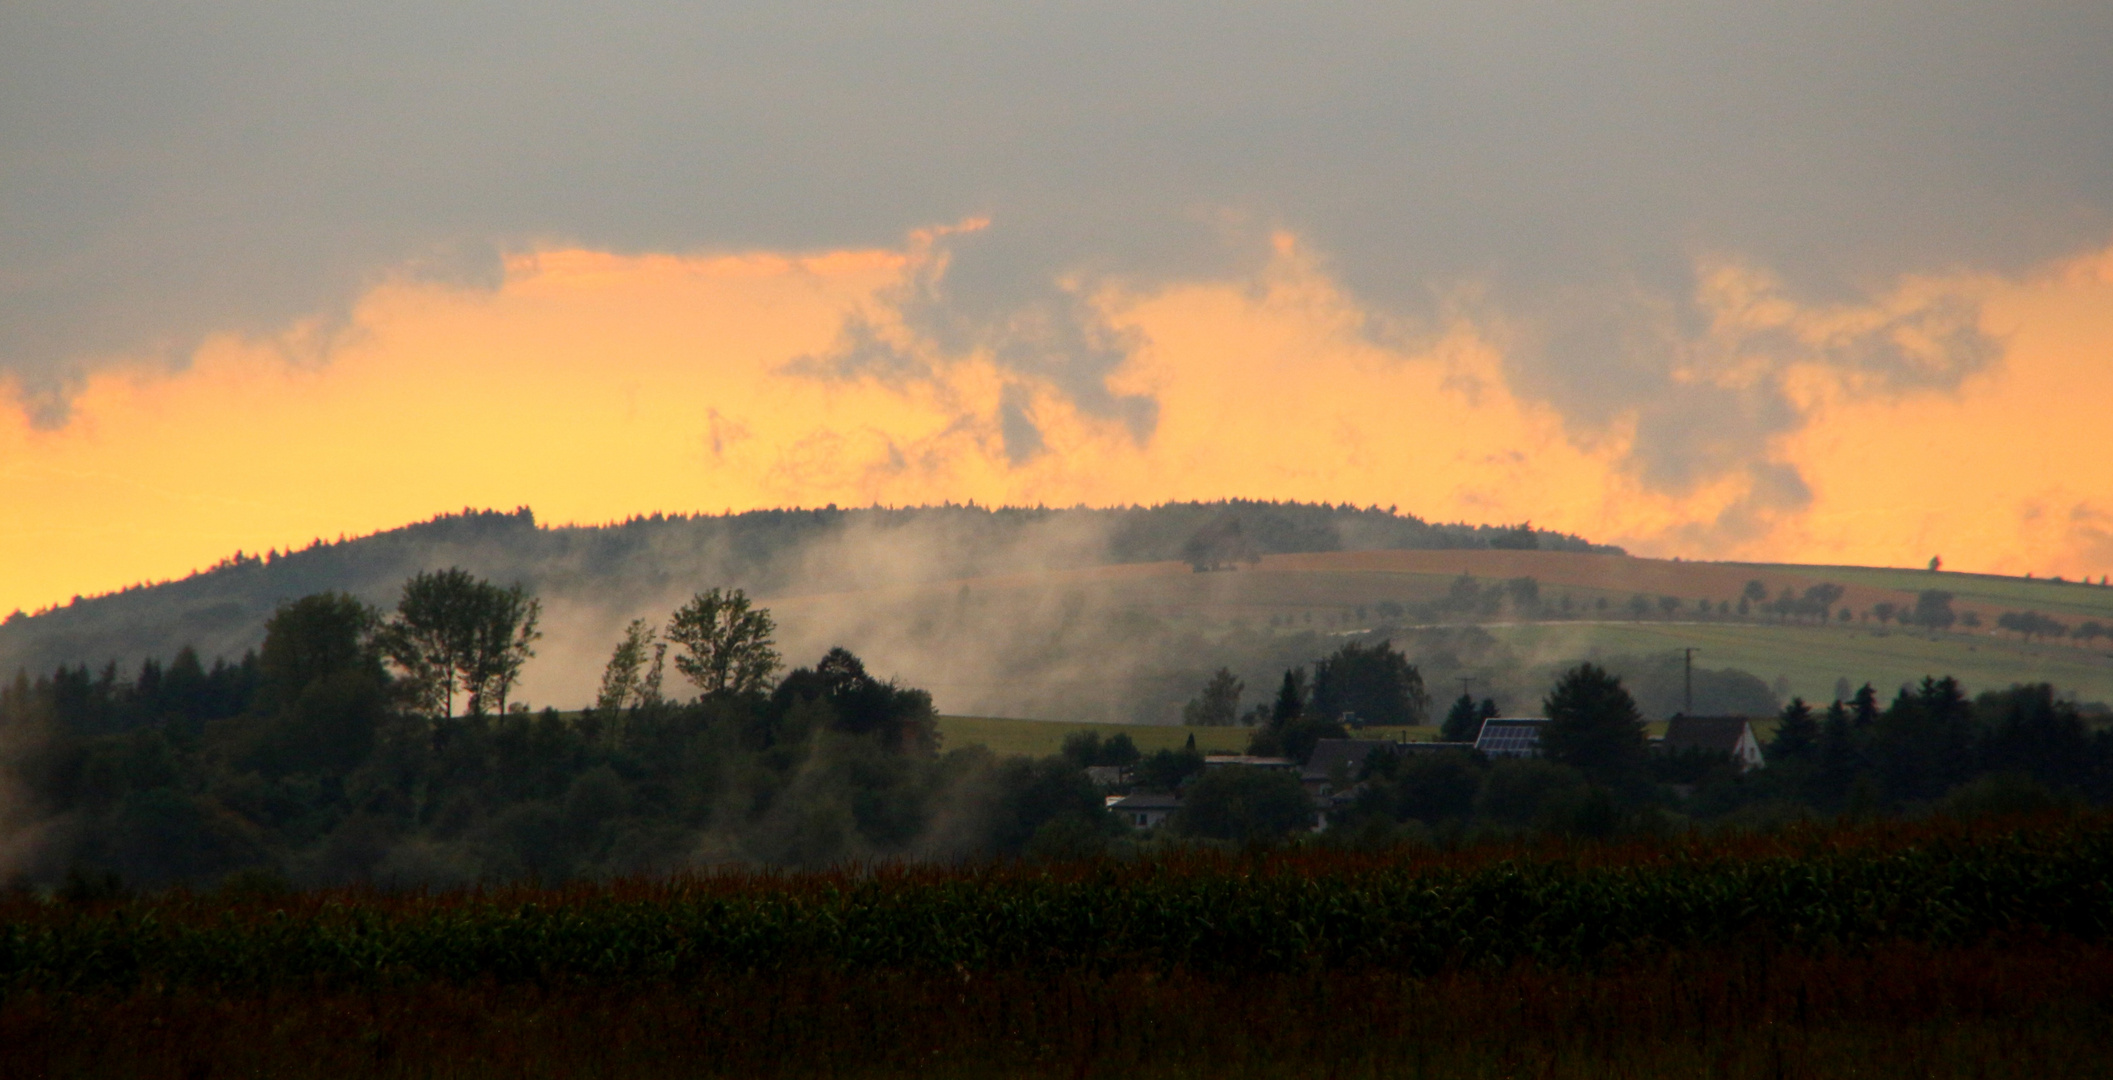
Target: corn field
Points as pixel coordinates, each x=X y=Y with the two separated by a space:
x=1942 y=948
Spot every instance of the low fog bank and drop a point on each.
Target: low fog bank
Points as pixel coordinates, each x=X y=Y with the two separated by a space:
x=1066 y=647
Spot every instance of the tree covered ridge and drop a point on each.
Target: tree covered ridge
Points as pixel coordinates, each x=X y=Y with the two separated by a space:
x=221 y=610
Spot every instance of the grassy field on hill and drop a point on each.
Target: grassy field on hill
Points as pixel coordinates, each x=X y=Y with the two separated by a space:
x=1174 y=626
x=1809 y=659
x=1980 y=591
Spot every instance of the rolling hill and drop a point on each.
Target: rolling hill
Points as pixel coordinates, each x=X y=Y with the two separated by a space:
x=1290 y=608
x=1101 y=615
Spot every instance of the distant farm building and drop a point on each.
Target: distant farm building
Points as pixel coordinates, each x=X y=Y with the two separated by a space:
x=1732 y=735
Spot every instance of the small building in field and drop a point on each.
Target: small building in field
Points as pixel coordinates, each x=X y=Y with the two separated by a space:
x=1511 y=736
x=1145 y=809
x=1732 y=735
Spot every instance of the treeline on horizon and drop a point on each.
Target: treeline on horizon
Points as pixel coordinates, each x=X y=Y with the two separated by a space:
x=337 y=753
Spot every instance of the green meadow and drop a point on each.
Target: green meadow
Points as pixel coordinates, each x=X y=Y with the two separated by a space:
x=1811 y=658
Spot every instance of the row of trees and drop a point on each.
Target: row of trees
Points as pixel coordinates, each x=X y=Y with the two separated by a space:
x=182 y=693
x=1932 y=609
x=2031 y=624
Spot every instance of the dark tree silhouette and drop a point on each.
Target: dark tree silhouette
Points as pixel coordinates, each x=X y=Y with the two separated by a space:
x=1377 y=684
x=1797 y=733
x=1593 y=726
x=1218 y=705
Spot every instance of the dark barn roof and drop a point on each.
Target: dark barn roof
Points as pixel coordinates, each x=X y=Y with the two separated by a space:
x=1710 y=734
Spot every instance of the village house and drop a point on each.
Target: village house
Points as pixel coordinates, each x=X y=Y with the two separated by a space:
x=1144 y=809
x=1337 y=764
x=1732 y=735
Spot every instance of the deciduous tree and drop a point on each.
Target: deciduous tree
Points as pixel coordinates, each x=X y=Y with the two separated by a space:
x=454 y=631
x=1218 y=705
x=726 y=643
x=631 y=679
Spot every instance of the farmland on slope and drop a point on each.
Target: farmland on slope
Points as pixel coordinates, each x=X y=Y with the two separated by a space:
x=1163 y=627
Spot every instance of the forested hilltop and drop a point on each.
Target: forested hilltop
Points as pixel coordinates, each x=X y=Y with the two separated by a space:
x=634 y=564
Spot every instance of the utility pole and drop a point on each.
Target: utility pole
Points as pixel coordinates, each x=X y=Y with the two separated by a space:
x=1687 y=661
x=1466 y=681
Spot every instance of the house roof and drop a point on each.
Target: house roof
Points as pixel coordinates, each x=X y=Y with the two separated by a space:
x=1214 y=760
x=1511 y=735
x=1147 y=800
x=1347 y=754
x=1713 y=734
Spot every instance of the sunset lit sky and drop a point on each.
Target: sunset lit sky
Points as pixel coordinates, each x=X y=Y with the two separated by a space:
x=1728 y=282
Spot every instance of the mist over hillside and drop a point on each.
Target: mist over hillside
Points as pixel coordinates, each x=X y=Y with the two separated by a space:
x=826 y=572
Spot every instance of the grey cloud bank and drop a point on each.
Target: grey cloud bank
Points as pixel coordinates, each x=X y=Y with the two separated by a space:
x=174 y=170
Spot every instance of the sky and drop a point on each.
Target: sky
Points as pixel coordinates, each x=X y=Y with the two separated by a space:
x=1784 y=282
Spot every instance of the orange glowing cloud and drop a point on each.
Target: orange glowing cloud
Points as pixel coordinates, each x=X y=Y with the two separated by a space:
x=2010 y=474
x=593 y=386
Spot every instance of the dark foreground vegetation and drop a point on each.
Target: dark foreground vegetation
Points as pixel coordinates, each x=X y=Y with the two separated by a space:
x=362 y=746
x=1935 y=948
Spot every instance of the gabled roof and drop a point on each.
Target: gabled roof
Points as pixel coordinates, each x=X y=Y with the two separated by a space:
x=1147 y=800
x=1712 y=734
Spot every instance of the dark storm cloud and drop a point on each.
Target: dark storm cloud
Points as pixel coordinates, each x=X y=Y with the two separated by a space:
x=173 y=170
